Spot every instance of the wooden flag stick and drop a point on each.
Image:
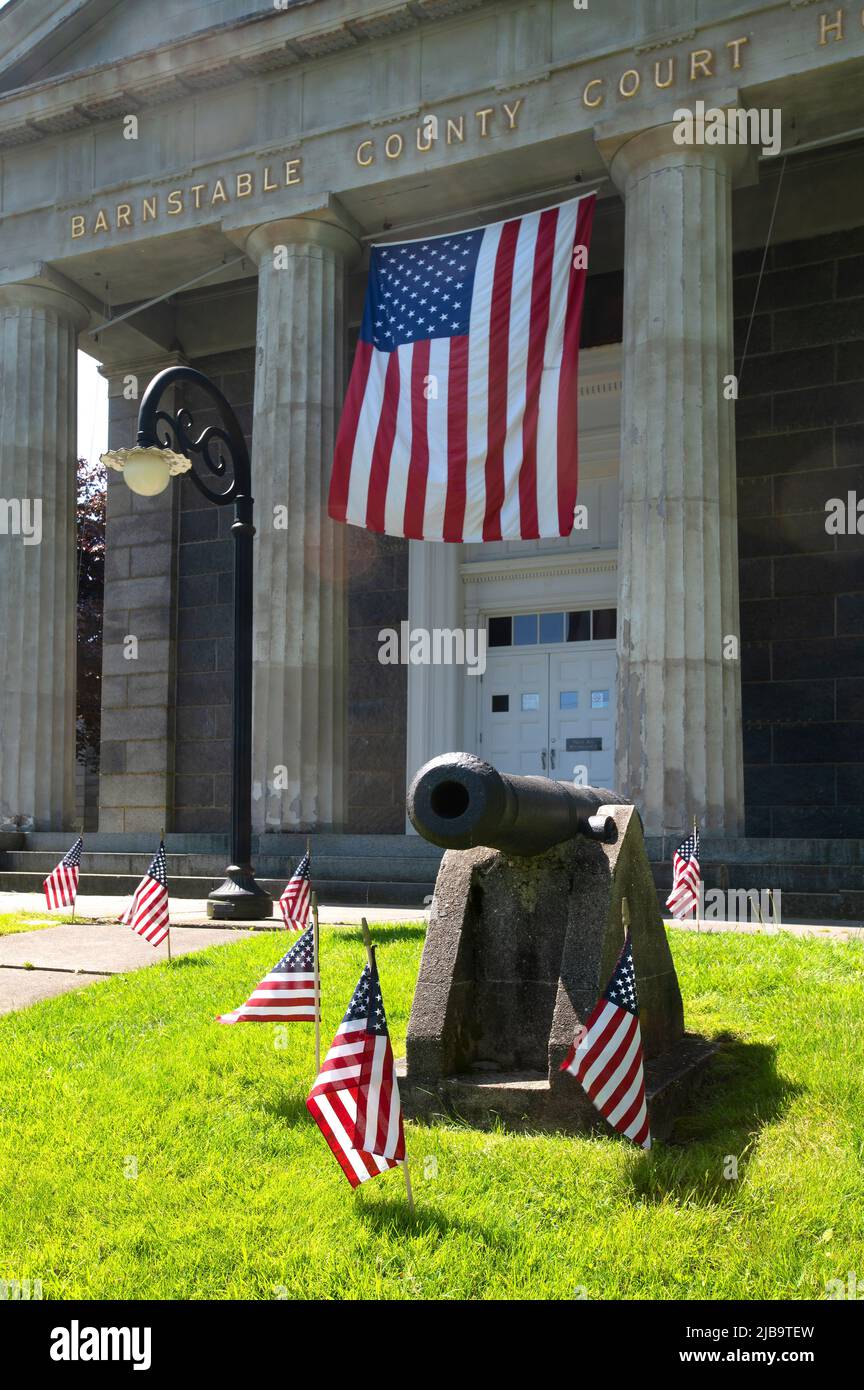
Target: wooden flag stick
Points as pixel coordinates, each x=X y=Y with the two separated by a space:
x=316 y=968
x=168 y=938
x=75 y=899
x=370 y=955
x=695 y=833
x=625 y=915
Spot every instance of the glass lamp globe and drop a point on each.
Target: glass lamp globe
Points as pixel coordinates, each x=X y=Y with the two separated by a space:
x=147 y=470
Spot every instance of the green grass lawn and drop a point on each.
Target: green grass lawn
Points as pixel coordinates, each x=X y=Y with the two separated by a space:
x=30 y=921
x=237 y=1195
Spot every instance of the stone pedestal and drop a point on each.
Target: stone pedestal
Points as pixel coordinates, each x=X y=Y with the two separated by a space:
x=300 y=628
x=679 y=684
x=517 y=954
x=38 y=416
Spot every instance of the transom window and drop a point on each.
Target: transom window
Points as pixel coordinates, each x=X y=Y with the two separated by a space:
x=545 y=629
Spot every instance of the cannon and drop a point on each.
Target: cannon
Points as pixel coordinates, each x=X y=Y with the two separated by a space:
x=527 y=921
x=458 y=801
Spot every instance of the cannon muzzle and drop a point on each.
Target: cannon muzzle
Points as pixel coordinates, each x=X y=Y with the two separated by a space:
x=458 y=801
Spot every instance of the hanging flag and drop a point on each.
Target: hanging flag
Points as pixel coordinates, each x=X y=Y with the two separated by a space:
x=606 y=1056
x=147 y=914
x=355 y=1099
x=459 y=423
x=287 y=994
x=294 y=903
x=685 y=877
x=61 y=885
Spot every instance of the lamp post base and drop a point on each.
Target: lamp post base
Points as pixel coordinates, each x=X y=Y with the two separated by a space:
x=239 y=898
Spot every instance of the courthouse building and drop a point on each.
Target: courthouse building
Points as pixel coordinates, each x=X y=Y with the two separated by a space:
x=698 y=644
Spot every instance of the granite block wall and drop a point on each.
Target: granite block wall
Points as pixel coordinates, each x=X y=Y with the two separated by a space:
x=800 y=442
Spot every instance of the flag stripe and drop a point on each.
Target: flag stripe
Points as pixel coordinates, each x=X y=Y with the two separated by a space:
x=499 y=352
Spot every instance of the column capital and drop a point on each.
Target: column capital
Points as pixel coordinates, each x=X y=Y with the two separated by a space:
x=145 y=368
x=634 y=154
x=302 y=231
x=23 y=295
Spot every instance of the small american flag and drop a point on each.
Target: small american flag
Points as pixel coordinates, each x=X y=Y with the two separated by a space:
x=606 y=1056
x=147 y=914
x=294 y=903
x=61 y=885
x=685 y=877
x=287 y=994
x=459 y=422
x=355 y=1099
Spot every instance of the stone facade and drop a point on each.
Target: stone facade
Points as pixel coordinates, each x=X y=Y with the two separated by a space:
x=801 y=442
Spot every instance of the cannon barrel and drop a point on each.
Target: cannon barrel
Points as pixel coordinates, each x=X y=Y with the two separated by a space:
x=458 y=801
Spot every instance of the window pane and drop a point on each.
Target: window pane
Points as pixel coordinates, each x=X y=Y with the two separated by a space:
x=605 y=624
x=525 y=630
x=500 y=704
x=500 y=632
x=530 y=701
x=568 y=699
x=599 y=699
x=579 y=626
x=551 y=627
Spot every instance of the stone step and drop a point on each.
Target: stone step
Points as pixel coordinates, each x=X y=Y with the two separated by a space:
x=382 y=893
x=843 y=906
x=717 y=849
x=399 y=868
x=381 y=847
x=785 y=877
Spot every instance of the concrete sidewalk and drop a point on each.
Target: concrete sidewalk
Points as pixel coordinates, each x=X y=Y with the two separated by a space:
x=46 y=962
x=192 y=912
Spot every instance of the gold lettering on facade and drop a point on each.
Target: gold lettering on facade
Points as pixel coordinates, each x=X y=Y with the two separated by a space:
x=735 y=45
x=175 y=202
x=197 y=190
x=394 y=145
x=455 y=129
x=149 y=209
x=592 y=101
x=268 y=186
x=834 y=27
x=123 y=215
x=629 y=83
x=101 y=223
x=244 y=185
x=79 y=225
x=700 y=63
x=292 y=171
x=361 y=158
x=483 y=117
x=512 y=112
x=670 y=74
x=219 y=193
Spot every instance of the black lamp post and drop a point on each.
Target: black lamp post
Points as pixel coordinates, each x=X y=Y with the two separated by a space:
x=167 y=445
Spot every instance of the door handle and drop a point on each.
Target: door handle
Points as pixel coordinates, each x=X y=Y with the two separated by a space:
x=552 y=759
x=543 y=758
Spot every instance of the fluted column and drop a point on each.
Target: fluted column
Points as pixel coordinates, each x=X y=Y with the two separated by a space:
x=300 y=621
x=679 y=686
x=38 y=419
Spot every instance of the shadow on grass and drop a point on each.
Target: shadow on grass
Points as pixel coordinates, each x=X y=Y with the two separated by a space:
x=385 y=932
x=391 y=1213
x=709 y=1149
x=188 y=962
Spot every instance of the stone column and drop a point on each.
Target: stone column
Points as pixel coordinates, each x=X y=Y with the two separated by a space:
x=39 y=330
x=298 y=780
x=436 y=694
x=139 y=627
x=679 y=695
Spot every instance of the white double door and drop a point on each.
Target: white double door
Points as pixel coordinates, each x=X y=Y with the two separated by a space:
x=551 y=713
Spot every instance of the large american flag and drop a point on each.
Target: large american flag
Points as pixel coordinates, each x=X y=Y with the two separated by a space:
x=147 y=914
x=61 y=885
x=287 y=993
x=294 y=903
x=355 y=1099
x=606 y=1056
x=459 y=423
x=684 y=896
